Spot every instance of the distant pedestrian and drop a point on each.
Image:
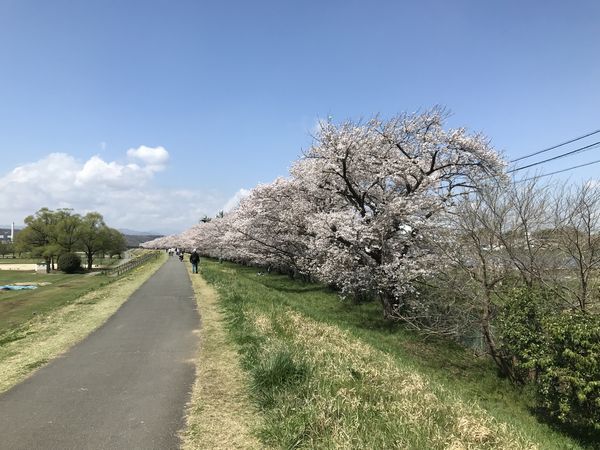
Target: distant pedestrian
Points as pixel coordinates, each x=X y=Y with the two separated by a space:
x=195 y=260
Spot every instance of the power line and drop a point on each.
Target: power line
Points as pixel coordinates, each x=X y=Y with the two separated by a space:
x=555 y=146
x=562 y=155
x=559 y=171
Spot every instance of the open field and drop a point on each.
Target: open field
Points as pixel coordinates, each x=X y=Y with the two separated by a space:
x=38 y=325
x=17 y=307
x=326 y=374
x=99 y=261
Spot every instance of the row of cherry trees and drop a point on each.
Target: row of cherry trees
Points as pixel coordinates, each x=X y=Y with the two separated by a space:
x=361 y=209
x=425 y=220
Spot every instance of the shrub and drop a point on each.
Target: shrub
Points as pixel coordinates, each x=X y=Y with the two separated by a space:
x=569 y=383
x=69 y=262
x=520 y=327
x=558 y=352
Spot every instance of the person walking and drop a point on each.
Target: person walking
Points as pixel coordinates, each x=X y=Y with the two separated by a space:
x=195 y=260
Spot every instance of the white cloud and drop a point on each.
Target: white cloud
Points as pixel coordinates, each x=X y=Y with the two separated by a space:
x=155 y=158
x=98 y=171
x=124 y=194
x=234 y=201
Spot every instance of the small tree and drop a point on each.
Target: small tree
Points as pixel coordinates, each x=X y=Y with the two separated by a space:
x=116 y=243
x=66 y=229
x=38 y=236
x=93 y=236
x=490 y=235
x=6 y=248
x=577 y=236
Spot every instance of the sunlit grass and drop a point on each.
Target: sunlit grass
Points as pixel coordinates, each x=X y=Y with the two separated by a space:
x=220 y=414
x=17 y=307
x=331 y=375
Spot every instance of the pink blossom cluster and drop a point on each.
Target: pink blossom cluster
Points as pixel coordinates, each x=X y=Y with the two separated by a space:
x=360 y=209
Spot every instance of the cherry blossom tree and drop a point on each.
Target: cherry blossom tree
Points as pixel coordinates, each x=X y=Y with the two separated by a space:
x=386 y=184
x=272 y=222
x=361 y=208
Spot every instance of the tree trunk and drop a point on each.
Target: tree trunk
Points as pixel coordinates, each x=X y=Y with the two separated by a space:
x=47 y=259
x=503 y=365
x=390 y=306
x=90 y=258
x=583 y=292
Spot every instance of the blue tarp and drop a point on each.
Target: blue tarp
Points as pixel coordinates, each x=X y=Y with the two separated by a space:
x=12 y=287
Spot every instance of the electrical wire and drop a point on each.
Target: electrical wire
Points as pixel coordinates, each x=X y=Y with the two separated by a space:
x=555 y=146
x=559 y=171
x=562 y=155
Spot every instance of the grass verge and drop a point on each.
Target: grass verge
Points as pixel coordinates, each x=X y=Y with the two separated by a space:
x=220 y=414
x=18 y=307
x=32 y=343
x=329 y=375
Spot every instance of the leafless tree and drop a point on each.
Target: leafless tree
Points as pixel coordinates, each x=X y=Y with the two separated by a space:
x=577 y=236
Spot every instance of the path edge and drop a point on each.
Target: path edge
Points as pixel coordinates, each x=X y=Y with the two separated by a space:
x=220 y=414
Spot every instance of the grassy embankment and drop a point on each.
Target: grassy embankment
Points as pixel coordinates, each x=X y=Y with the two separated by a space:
x=325 y=374
x=38 y=325
x=220 y=414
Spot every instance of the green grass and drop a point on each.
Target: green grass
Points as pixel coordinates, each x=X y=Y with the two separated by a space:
x=17 y=307
x=330 y=374
x=11 y=260
x=220 y=414
x=103 y=262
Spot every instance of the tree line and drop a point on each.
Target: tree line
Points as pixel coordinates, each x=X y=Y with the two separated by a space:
x=426 y=221
x=49 y=234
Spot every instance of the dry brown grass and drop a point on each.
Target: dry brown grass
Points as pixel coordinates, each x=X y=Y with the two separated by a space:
x=397 y=396
x=46 y=337
x=220 y=414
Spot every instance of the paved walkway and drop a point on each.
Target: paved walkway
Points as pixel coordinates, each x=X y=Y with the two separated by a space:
x=124 y=387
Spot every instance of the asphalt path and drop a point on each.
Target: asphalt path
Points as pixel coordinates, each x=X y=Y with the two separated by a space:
x=124 y=387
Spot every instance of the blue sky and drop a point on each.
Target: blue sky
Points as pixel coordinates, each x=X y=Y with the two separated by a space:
x=232 y=89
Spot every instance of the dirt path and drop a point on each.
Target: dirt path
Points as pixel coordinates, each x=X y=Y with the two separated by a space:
x=124 y=387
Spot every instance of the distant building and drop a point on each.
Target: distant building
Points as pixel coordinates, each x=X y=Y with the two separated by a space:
x=7 y=235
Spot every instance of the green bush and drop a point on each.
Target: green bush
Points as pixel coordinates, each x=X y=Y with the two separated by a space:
x=520 y=327
x=569 y=382
x=69 y=262
x=557 y=352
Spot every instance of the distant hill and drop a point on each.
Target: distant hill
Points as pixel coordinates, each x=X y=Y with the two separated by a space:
x=139 y=233
x=134 y=240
